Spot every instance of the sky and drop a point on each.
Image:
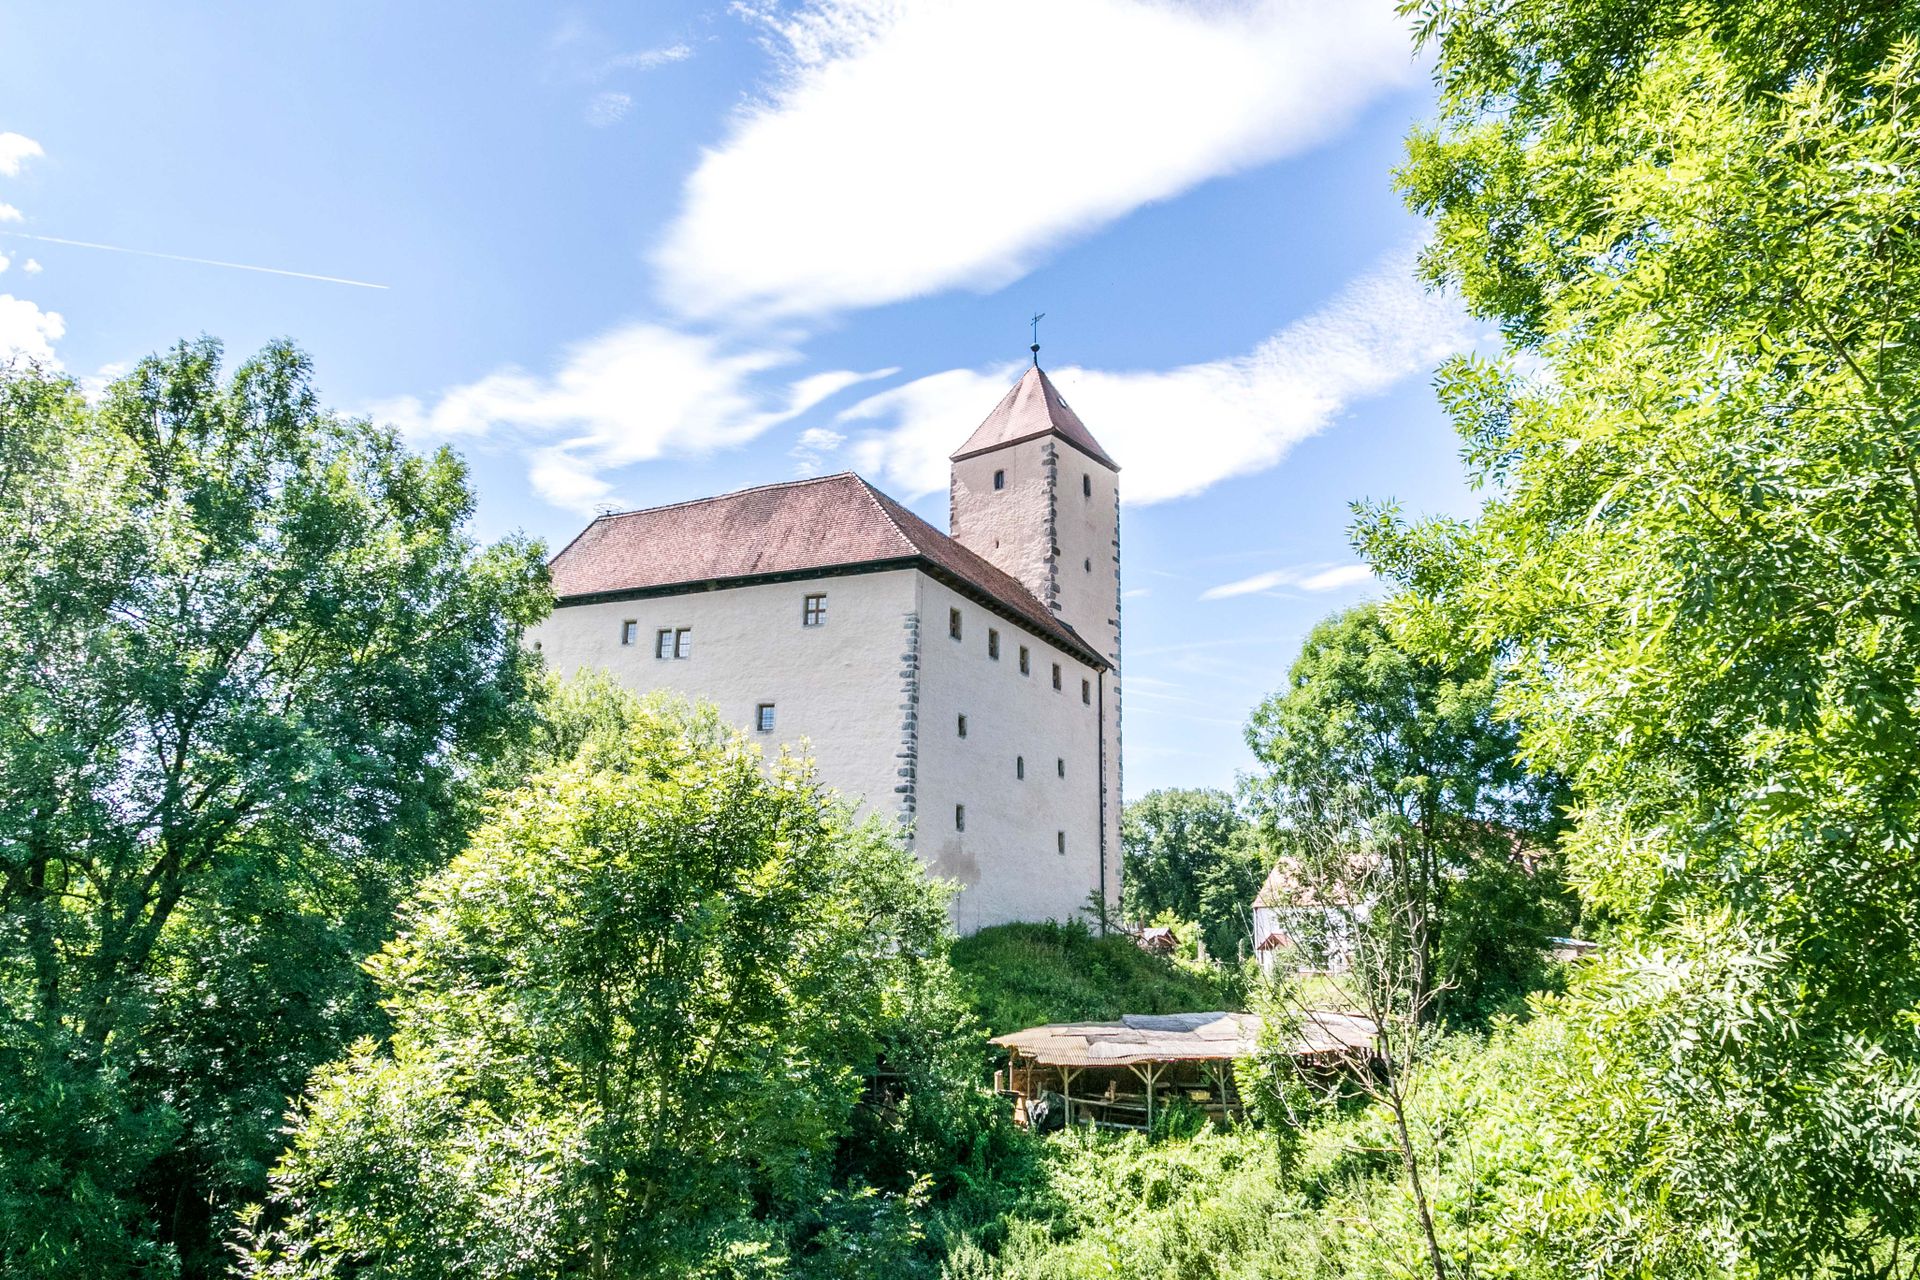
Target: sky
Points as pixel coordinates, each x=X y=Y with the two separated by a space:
x=634 y=254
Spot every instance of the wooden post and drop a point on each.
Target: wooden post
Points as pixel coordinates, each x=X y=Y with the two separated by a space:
x=1066 y=1091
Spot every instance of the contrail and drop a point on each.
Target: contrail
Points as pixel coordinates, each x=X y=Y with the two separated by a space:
x=181 y=257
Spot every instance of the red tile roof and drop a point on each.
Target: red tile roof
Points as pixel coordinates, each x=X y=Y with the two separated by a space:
x=834 y=522
x=1033 y=409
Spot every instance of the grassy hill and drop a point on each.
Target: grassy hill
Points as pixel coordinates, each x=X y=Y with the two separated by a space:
x=1022 y=975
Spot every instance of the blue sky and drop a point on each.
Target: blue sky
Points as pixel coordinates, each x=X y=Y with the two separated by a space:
x=636 y=254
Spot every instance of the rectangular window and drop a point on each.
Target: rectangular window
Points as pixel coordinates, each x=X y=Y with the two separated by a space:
x=1026 y=668
x=1020 y=767
x=963 y=726
x=1059 y=842
x=953 y=623
x=1056 y=677
x=999 y=479
x=763 y=717
x=663 y=643
x=1086 y=486
x=959 y=817
x=673 y=642
x=1086 y=692
x=629 y=632
x=814 y=611
x=993 y=644
x=1060 y=766
x=683 y=642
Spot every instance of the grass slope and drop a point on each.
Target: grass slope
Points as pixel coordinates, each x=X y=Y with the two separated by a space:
x=1022 y=975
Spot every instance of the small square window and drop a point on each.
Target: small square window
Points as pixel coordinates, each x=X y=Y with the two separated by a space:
x=663 y=643
x=1086 y=692
x=683 y=642
x=1086 y=486
x=953 y=623
x=1060 y=766
x=1056 y=677
x=999 y=479
x=959 y=817
x=993 y=644
x=962 y=725
x=630 y=632
x=1059 y=842
x=1020 y=767
x=1026 y=667
x=763 y=717
x=813 y=611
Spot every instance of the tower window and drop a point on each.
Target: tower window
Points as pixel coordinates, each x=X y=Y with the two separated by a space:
x=1060 y=766
x=1056 y=677
x=962 y=726
x=1026 y=667
x=993 y=644
x=1020 y=767
x=763 y=717
x=1086 y=486
x=813 y=610
x=959 y=817
x=953 y=623
x=1087 y=564
x=999 y=479
x=630 y=632
x=673 y=642
x=1086 y=692
x=1060 y=842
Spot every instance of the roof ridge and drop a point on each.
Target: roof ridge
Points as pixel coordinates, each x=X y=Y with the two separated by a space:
x=731 y=493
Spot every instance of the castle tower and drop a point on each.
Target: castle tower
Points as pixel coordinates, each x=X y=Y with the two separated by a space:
x=1035 y=494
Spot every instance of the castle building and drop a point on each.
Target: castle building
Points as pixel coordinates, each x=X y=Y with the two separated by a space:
x=964 y=684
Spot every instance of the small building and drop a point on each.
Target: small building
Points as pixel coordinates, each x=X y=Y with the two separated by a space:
x=1308 y=926
x=1119 y=1074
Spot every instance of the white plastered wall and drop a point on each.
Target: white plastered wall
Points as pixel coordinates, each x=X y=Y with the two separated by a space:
x=838 y=686
x=1007 y=858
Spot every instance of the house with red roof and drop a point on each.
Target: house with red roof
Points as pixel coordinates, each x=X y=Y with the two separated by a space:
x=964 y=684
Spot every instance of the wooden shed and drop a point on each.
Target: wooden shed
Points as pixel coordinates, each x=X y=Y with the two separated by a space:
x=1118 y=1074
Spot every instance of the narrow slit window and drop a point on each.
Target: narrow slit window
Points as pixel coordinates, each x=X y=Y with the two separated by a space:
x=630 y=632
x=1056 y=677
x=1060 y=765
x=1086 y=486
x=953 y=623
x=999 y=479
x=1026 y=665
x=1060 y=842
x=1020 y=768
x=813 y=611
x=961 y=724
x=993 y=644
x=1087 y=564
x=763 y=717
x=1086 y=692
x=959 y=817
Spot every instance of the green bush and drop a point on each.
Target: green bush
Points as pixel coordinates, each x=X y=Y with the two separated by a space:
x=1024 y=975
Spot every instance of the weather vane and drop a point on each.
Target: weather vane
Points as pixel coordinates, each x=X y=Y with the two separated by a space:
x=1038 y=316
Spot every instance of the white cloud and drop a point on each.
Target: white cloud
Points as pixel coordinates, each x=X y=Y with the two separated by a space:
x=27 y=331
x=8 y=213
x=822 y=438
x=32 y=267
x=607 y=108
x=15 y=151
x=911 y=147
x=1177 y=432
x=1301 y=577
x=631 y=395
x=648 y=59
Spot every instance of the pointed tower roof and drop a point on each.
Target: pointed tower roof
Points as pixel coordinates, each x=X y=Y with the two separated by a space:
x=1031 y=410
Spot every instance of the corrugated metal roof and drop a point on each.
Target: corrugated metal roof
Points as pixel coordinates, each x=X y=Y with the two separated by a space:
x=1180 y=1037
x=1032 y=409
x=832 y=522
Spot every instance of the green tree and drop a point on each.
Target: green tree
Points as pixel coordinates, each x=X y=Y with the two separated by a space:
x=1189 y=853
x=249 y=668
x=631 y=1025
x=1376 y=753
x=1699 y=572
